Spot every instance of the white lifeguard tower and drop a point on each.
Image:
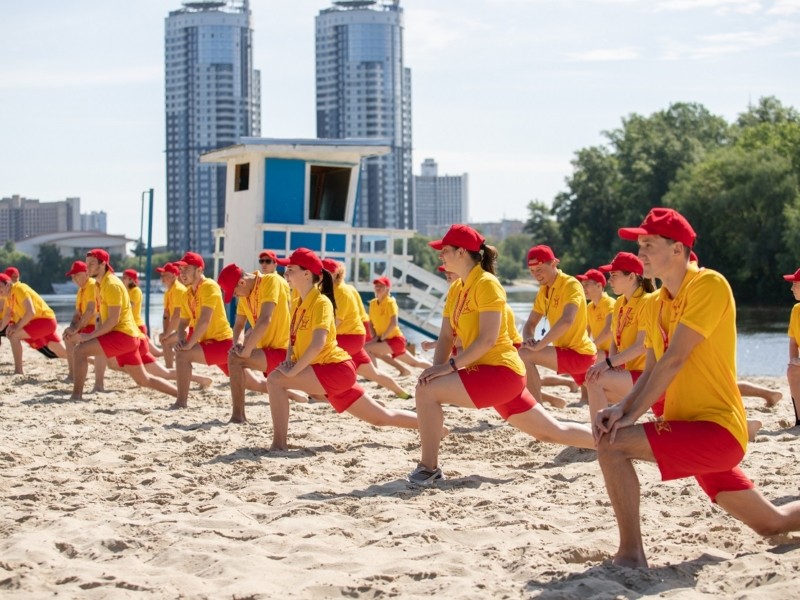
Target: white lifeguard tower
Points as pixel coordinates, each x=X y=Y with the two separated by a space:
x=282 y=194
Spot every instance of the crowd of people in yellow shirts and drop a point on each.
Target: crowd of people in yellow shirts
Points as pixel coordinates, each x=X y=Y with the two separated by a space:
x=307 y=334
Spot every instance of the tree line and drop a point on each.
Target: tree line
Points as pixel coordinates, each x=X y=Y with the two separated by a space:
x=737 y=183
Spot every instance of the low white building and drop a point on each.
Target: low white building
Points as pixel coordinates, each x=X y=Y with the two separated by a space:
x=70 y=242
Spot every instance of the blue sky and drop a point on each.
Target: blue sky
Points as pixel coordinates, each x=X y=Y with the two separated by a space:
x=505 y=90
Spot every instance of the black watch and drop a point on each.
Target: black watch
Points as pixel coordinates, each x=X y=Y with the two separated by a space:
x=452 y=362
x=608 y=362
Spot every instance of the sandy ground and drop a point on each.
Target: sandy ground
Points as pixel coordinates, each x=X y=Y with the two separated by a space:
x=116 y=497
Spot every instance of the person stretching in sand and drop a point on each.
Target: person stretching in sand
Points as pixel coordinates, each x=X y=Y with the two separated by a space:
x=487 y=371
x=611 y=379
x=350 y=333
x=562 y=302
x=204 y=334
x=387 y=341
x=27 y=318
x=691 y=357
x=173 y=298
x=84 y=320
x=793 y=369
x=116 y=336
x=316 y=364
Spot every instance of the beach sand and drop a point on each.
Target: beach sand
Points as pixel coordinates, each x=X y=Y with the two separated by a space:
x=116 y=497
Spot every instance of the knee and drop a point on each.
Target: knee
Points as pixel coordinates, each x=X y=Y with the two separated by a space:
x=770 y=526
x=275 y=381
x=609 y=453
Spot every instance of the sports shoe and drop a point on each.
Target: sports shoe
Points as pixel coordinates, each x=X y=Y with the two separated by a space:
x=422 y=475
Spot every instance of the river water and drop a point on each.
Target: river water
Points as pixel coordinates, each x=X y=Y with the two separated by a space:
x=762 y=342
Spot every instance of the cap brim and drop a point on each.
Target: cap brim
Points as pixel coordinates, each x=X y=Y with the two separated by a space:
x=436 y=245
x=284 y=262
x=789 y=277
x=605 y=268
x=180 y=263
x=581 y=278
x=227 y=295
x=632 y=233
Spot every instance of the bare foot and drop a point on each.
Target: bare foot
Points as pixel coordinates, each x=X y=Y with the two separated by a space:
x=278 y=448
x=573 y=387
x=404 y=372
x=753 y=428
x=554 y=400
x=98 y=390
x=204 y=382
x=301 y=398
x=445 y=432
x=179 y=404
x=237 y=418
x=773 y=398
x=639 y=562
x=76 y=398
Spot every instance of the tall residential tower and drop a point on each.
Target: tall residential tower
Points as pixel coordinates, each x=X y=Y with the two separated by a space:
x=441 y=200
x=212 y=98
x=364 y=91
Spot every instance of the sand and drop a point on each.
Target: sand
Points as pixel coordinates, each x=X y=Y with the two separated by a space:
x=116 y=497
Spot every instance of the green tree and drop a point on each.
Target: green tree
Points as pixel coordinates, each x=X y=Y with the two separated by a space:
x=541 y=224
x=515 y=247
x=738 y=202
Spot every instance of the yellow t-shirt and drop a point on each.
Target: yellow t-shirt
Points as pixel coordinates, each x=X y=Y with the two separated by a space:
x=348 y=310
x=381 y=313
x=361 y=310
x=86 y=294
x=135 y=294
x=481 y=292
x=626 y=323
x=511 y=325
x=173 y=297
x=705 y=388
x=794 y=324
x=315 y=312
x=19 y=293
x=269 y=287
x=207 y=295
x=551 y=301
x=597 y=314
x=114 y=293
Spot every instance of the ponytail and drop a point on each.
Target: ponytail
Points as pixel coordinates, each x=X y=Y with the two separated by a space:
x=646 y=284
x=325 y=283
x=486 y=256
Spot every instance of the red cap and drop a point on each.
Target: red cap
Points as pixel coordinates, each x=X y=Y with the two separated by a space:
x=793 y=277
x=693 y=257
x=228 y=280
x=268 y=254
x=625 y=261
x=12 y=272
x=4 y=278
x=593 y=275
x=191 y=259
x=331 y=265
x=540 y=254
x=77 y=267
x=305 y=258
x=131 y=274
x=666 y=222
x=384 y=281
x=101 y=256
x=169 y=268
x=460 y=236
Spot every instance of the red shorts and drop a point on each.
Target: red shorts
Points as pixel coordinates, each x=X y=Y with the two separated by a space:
x=397 y=345
x=216 y=353
x=339 y=382
x=517 y=345
x=658 y=407
x=87 y=329
x=368 y=334
x=353 y=344
x=498 y=387
x=41 y=332
x=123 y=347
x=701 y=449
x=635 y=376
x=573 y=364
x=274 y=356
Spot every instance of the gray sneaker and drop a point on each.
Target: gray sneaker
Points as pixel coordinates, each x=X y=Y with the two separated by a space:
x=422 y=475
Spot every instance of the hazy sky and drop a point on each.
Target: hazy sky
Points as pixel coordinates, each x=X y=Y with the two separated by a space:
x=505 y=90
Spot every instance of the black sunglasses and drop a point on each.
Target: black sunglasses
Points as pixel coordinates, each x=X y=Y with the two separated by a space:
x=265 y=261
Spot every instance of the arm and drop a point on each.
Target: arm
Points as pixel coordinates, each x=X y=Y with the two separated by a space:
x=651 y=386
x=106 y=326
x=559 y=328
x=318 y=339
x=259 y=329
x=635 y=350
x=793 y=352
x=26 y=317
x=444 y=345
x=238 y=328
x=529 y=330
x=605 y=334
x=200 y=328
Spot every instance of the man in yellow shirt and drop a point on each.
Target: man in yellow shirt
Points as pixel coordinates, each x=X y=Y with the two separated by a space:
x=173 y=298
x=116 y=336
x=264 y=304
x=598 y=309
x=691 y=357
x=562 y=302
x=84 y=320
x=209 y=337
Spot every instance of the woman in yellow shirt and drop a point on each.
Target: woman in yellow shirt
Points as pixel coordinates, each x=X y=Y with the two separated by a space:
x=611 y=378
x=350 y=331
x=388 y=342
x=488 y=371
x=315 y=364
